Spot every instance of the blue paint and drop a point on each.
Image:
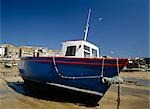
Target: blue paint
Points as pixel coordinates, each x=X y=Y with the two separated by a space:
x=42 y=69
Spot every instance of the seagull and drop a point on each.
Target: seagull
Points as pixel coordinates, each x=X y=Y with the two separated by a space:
x=112 y=52
x=100 y=19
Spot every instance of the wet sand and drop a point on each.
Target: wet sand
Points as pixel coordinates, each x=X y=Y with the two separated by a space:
x=135 y=94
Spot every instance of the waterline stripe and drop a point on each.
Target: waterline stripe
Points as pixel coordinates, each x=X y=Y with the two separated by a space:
x=76 y=89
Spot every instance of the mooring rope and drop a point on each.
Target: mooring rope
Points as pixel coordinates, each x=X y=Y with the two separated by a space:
x=119 y=88
x=4 y=79
x=117 y=66
x=88 y=77
x=102 y=70
x=71 y=77
x=113 y=80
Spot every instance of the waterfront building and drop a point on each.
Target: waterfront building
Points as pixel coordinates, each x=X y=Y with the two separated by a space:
x=26 y=51
x=2 y=51
x=11 y=51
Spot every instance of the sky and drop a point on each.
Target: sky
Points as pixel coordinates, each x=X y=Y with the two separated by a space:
x=122 y=32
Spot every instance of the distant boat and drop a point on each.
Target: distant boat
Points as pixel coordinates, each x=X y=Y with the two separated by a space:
x=79 y=68
x=8 y=65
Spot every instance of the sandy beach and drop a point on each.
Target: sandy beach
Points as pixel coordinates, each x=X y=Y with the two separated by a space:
x=135 y=93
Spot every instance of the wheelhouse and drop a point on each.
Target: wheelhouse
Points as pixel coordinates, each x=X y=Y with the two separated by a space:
x=80 y=49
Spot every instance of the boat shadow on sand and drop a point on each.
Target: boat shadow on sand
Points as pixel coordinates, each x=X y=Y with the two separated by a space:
x=53 y=94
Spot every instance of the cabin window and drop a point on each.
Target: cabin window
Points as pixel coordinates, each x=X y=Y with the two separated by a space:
x=86 y=48
x=86 y=55
x=71 y=51
x=94 y=53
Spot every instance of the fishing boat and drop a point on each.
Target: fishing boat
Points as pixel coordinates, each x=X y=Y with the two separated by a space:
x=79 y=68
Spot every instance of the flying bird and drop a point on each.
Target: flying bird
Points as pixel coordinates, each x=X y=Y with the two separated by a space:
x=100 y=19
x=112 y=52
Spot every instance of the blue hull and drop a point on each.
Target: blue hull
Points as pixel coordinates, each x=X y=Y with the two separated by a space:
x=79 y=74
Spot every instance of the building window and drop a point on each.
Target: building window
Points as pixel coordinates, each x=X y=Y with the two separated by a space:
x=86 y=55
x=86 y=48
x=71 y=51
x=94 y=53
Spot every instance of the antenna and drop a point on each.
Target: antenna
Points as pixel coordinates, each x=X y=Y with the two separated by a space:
x=87 y=25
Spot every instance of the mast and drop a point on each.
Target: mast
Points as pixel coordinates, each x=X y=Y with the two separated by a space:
x=87 y=26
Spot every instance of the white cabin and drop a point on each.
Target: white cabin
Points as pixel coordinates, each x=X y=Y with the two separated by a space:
x=79 y=49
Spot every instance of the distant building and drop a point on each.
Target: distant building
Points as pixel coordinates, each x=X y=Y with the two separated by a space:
x=53 y=53
x=139 y=63
x=26 y=51
x=147 y=60
x=2 y=51
x=11 y=51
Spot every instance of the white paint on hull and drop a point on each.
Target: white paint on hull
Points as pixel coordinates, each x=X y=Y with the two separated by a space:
x=76 y=89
